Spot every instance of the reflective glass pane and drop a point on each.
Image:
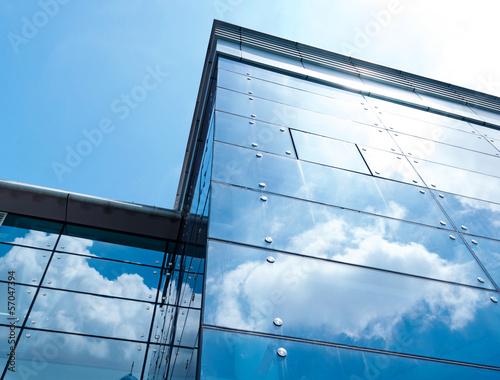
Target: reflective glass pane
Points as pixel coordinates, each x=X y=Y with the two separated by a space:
x=388 y=111
x=328 y=151
x=16 y=301
x=182 y=364
x=292 y=96
x=392 y=91
x=326 y=232
x=459 y=181
x=99 y=276
x=448 y=154
x=350 y=131
x=229 y=355
x=287 y=80
x=334 y=76
x=345 y=304
x=94 y=315
x=108 y=250
x=271 y=59
x=447 y=106
x=437 y=133
x=188 y=326
x=391 y=166
x=29 y=231
x=47 y=355
x=282 y=114
x=164 y=324
x=163 y=358
x=253 y=134
x=471 y=215
x=29 y=264
x=488 y=116
x=488 y=131
x=325 y=184
x=488 y=252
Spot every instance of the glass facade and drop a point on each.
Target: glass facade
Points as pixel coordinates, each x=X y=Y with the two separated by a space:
x=348 y=237
x=331 y=225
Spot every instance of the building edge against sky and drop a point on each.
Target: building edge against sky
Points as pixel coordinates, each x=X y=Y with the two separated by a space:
x=338 y=80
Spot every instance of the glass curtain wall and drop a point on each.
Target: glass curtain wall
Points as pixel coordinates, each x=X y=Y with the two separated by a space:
x=349 y=237
x=90 y=303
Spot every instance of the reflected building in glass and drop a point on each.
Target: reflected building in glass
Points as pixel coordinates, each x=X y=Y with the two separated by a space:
x=335 y=219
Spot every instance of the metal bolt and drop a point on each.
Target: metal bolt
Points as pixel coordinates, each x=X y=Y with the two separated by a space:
x=259 y=155
x=475 y=242
x=452 y=237
x=481 y=280
x=281 y=352
x=422 y=191
x=464 y=228
x=270 y=259
x=262 y=184
x=277 y=321
x=494 y=299
x=442 y=223
x=268 y=239
x=263 y=198
x=288 y=152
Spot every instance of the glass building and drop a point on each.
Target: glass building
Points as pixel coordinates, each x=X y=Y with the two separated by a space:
x=335 y=219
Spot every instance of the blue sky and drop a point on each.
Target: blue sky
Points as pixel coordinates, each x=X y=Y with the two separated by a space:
x=71 y=70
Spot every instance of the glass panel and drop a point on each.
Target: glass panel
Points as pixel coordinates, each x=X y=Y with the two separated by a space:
x=183 y=364
x=46 y=355
x=488 y=116
x=459 y=181
x=164 y=324
x=291 y=96
x=188 y=326
x=388 y=111
x=447 y=106
x=329 y=152
x=436 y=133
x=326 y=232
x=287 y=80
x=107 y=250
x=392 y=91
x=334 y=76
x=253 y=134
x=488 y=131
x=471 y=215
x=15 y=299
x=94 y=315
x=350 y=305
x=29 y=231
x=324 y=184
x=282 y=114
x=271 y=59
x=488 y=252
x=160 y=358
x=228 y=355
x=350 y=131
x=448 y=154
x=99 y=276
x=29 y=264
x=390 y=166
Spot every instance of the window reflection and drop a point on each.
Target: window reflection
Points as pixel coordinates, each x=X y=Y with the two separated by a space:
x=229 y=355
x=47 y=355
x=340 y=235
x=350 y=305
